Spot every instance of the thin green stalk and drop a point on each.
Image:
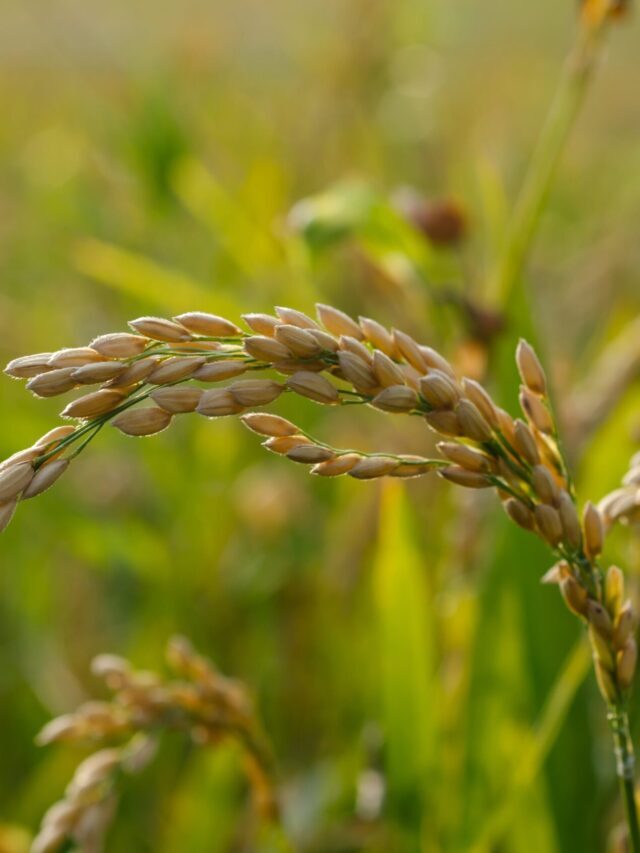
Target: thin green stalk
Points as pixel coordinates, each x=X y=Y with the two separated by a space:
x=625 y=771
x=573 y=86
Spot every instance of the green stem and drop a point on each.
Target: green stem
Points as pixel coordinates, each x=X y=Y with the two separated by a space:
x=625 y=771
x=564 y=110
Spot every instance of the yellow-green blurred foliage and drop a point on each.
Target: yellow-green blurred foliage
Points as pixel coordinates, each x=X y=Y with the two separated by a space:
x=421 y=690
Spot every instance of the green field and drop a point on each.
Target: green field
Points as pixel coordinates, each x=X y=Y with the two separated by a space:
x=421 y=690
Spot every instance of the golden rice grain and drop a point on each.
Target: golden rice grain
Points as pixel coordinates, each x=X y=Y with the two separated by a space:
x=372 y=467
x=45 y=477
x=266 y=349
x=160 y=329
x=144 y=421
x=297 y=341
x=530 y=368
x=267 y=424
x=397 y=399
x=74 y=357
x=120 y=345
x=94 y=404
x=217 y=403
x=292 y=317
x=337 y=322
x=177 y=399
x=261 y=324
x=14 y=480
x=174 y=369
x=201 y=323
x=472 y=423
x=255 y=392
x=463 y=477
x=52 y=383
x=28 y=366
x=338 y=465
x=100 y=371
x=313 y=386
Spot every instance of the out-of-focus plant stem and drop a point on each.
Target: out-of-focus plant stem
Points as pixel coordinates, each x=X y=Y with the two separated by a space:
x=569 y=97
x=625 y=771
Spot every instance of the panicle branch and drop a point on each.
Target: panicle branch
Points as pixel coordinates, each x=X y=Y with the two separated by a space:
x=198 y=701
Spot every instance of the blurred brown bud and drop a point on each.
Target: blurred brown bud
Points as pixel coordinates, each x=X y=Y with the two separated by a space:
x=442 y=221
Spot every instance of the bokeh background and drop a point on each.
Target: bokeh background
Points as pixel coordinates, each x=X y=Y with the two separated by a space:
x=422 y=691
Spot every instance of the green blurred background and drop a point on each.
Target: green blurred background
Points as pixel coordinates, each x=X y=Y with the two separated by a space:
x=421 y=689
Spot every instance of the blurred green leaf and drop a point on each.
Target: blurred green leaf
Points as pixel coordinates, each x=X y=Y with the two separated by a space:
x=409 y=690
